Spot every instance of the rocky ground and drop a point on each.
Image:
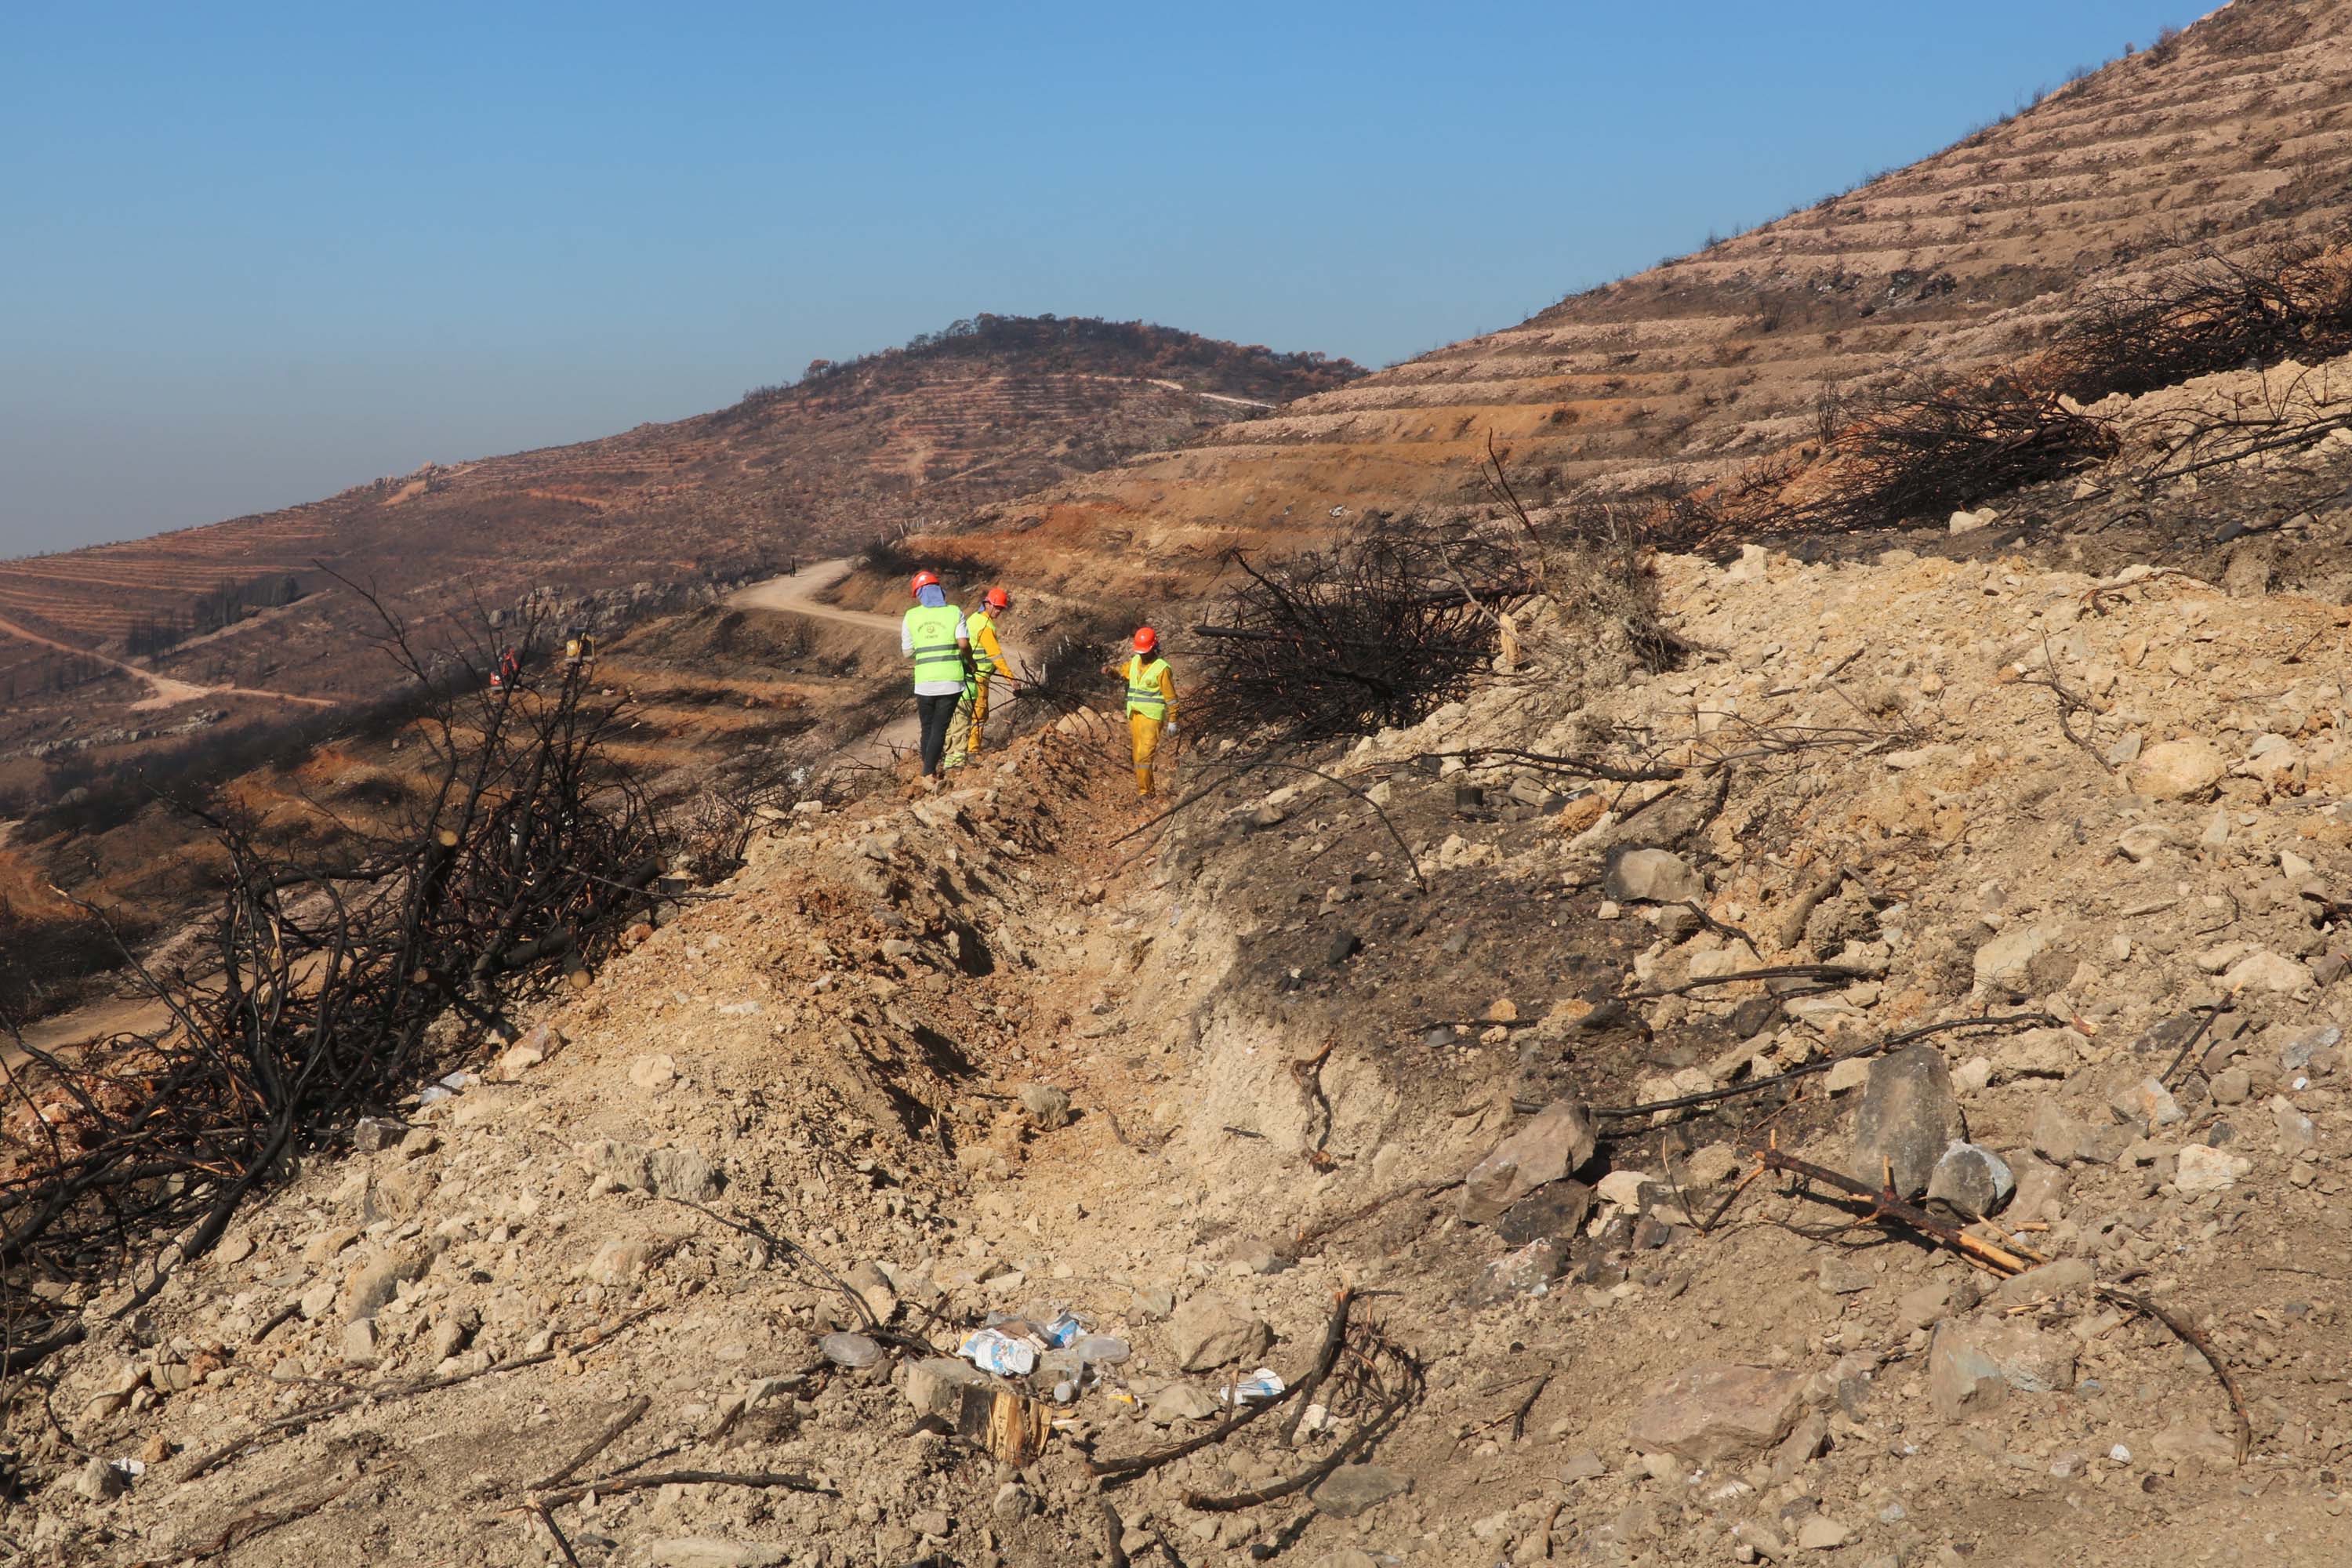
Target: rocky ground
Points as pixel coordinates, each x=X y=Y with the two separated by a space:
x=1387 y=1031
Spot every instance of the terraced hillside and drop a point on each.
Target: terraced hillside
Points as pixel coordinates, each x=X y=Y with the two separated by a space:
x=2235 y=134
x=988 y=409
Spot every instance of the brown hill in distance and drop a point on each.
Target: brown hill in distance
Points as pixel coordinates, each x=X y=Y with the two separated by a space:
x=2233 y=135
x=990 y=409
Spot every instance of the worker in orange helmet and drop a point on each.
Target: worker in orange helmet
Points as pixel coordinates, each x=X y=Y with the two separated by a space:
x=1150 y=704
x=964 y=740
x=933 y=635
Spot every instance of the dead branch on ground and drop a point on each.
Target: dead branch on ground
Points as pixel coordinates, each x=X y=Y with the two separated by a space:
x=1335 y=1339
x=519 y=862
x=1379 y=1373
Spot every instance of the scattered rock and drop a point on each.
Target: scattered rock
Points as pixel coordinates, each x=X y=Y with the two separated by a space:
x=1972 y=1367
x=2147 y=1104
x=1718 y=1411
x=2179 y=770
x=1624 y=1189
x=1554 y=1211
x=697 y=1553
x=1923 y=1307
x=935 y=1384
x=849 y=1350
x=1651 y=875
x=1851 y=1073
x=2005 y=963
x=617 y=1261
x=1529 y=1271
x=2196 y=1444
x=451 y=1333
x=873 y=1289
x=1048 y=1107
x=1971 y=1180
x=1353 y=1489
x=2202 y=1169
x=2038 y=1186
x=2047 y=1283
x=654 y=1073
x=678 y=1173
x=1207 y=1332
x=1552 y=1142
x=1821 y=1534
x=1182 y=1402
x=670 y=1172
x=1587 y=1466
x=2264 y=971
x=99 y=1481
x=371 y=1288
x=372 y=1133
x=1909 y=1116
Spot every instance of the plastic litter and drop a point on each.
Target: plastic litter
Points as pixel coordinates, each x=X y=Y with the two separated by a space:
x=1063 y=1331
x=1262 y=1384
x=851 y=1350
x=447 y=1088
x=1101 y=1350
x=992 y=1351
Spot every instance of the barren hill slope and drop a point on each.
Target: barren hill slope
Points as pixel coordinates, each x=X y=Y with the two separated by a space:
x=985 y=410
x=2234 y=133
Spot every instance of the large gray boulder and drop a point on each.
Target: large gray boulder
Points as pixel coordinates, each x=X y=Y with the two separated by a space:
x=1909 y=1116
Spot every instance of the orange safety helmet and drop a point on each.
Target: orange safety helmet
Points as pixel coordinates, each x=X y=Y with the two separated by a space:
x=924 y=580
x=1146 y=639
x=998 y=599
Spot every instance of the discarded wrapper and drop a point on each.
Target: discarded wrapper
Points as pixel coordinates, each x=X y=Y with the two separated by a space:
x=1262 y=1385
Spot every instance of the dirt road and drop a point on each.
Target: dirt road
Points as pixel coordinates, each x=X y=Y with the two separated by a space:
x=796 y=593
x=165 y=691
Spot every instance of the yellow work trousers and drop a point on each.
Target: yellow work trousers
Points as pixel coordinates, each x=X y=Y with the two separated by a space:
x=1143 y=729
x=963 y=730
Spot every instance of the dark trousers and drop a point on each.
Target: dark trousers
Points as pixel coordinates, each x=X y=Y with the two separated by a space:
x=935 y=713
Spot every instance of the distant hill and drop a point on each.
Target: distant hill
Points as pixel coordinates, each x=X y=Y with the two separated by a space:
x=2233 y=135
x=986 y=409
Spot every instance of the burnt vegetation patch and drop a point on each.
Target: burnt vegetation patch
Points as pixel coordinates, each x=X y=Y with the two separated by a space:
x=2212 y=312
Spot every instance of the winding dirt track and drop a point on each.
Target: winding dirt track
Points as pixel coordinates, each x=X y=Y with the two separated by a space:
x=795 y=593
x=165 y=692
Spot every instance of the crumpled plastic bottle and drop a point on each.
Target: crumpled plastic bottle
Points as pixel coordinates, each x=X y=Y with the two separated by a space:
x=1001 y=1354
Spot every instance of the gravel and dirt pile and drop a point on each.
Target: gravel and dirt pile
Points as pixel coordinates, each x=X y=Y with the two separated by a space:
x=990 y=1052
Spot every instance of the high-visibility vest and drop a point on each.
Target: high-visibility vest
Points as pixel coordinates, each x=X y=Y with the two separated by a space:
x=932 y=631
x=976 y=624
x=1143 y=693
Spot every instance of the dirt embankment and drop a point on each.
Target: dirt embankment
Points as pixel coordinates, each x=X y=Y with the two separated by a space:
x=983 y=1052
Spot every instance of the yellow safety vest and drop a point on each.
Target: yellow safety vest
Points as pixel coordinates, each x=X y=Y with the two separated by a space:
x=932 y=632
x=976 y=626
x=1143 y=693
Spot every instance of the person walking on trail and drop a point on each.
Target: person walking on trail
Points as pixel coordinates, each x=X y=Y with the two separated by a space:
x=965 y=740
x=1151 y=705
x=934 y=637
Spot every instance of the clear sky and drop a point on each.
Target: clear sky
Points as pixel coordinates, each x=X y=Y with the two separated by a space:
x=252 y=254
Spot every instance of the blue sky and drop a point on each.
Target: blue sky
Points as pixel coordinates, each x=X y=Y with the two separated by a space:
x=254 y=255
